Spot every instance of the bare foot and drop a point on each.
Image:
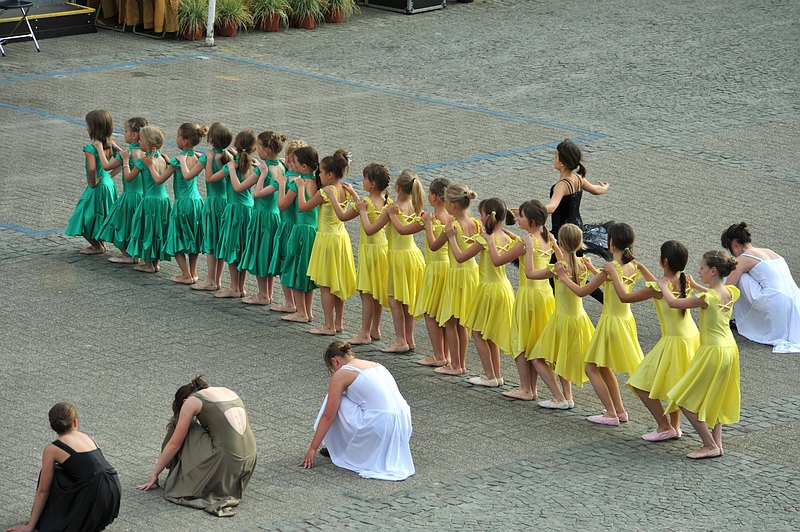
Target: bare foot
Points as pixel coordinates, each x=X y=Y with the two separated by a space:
x=283 y=308
x=359 y=340
x=122 y=259
x=146 y=268
x=297 y=318
x=255 y=300
x=447 y=370
x=228 y=293
x=323 y=332
x=180 y=279
x=396 y=348
x=205 y=287
x=520 y=395
x=91 y=250
x=705 y=452
x=433 y=361
x=375 y=335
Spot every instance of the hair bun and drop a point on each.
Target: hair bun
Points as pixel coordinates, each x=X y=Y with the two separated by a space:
x=202 y=131
x=471 y=194
x=199 y=383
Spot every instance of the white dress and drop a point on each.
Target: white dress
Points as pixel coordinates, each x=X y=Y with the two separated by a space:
x=372 y=429
x=769 y=310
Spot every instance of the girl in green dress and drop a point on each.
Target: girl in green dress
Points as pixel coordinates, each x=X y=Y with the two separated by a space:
x=119 y=222
x=184 y=230
x=260 y=247
x=151 y=219
x=92 y=209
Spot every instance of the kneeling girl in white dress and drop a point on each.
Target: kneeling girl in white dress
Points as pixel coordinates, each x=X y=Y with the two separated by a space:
x=364 y=421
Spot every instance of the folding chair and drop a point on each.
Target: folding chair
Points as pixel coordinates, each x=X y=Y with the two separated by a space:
x=24 y=7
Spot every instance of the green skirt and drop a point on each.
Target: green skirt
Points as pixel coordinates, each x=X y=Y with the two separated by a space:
x=233 y=235
x=185 y=231
x=260 y=247
x=299 y=247
x=213 y=210
x=92 y=210
x=119 y=223
x=280 y=246
x=149 y=232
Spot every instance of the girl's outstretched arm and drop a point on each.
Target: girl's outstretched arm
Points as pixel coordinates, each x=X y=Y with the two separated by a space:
x=159 y=177
x=434 y=242
x=682 y=302
x=42 y=490
x=646 y=274
x=339 y=383
x=260 y=191
x=343 y=215
x=500 y=258
x=555 y=199
x=315 y=200
x=370 y=228
x=633 y=297
x=597 y=190
x=400 y=227
x=237 y=184
x=190 y=173
x=697 y=287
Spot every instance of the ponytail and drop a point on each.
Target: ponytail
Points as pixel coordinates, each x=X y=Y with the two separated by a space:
x=245 y=144
x=408 y=183
x=622 y=236
x=682 y=281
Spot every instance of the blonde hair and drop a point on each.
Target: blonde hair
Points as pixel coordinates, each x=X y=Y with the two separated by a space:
x=570 y=238
x=294 y=145
x=460 y=195
x=152 y=135
x=408 y=182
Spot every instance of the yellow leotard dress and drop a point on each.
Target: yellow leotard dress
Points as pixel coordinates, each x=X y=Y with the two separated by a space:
x=434 y=278
x=373 y=265
x=666 y=363
x=462 y=279
x=567 y=335
x=331 y=262
x=491 y=307
x=710 y=386
x=406 y=264
x=615 y=343
x=533 y=306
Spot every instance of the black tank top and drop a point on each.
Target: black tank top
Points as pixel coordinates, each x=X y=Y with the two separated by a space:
x=569 y=210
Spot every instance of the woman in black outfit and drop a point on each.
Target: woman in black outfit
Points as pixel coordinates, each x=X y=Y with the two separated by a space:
x=564 y=206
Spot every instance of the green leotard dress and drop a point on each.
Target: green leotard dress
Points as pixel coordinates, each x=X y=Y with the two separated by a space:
x=214 y=206
x=260 y=248
x=288 y=219
x=93 y=208
x=235 y=221
x=299 y=246
x=151 y=219
x=185 y=231
x=119 y=222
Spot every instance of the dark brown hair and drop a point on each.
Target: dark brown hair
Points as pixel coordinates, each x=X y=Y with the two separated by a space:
x=735 y=233
x=245 y=144
x=192 y=132
x=622 y=235
x=336 y=163
x=272 y=140
x=220 y=137
x=438 y=187
x=308 y=156
x=62 y=417
x=496 y=213
x=183 y=393
x=720 y=260
x=378 y=175
x=536 y=214
x=676 y=255
x=338 y=348
x=570 y=156
x=101 y=126
x=136 y=123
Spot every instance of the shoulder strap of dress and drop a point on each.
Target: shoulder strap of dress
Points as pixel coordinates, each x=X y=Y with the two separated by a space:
x=351 y=368
x=751 y=256
x=570 y=186
x=64 y=447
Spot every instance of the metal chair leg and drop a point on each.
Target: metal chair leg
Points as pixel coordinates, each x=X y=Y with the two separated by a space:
x=28 y=22
x=103 y=25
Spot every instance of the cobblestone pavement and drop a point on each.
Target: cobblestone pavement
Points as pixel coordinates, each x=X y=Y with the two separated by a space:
x=689 y=110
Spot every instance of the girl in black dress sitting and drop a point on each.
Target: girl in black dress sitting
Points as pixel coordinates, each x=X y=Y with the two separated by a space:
x=78 y=490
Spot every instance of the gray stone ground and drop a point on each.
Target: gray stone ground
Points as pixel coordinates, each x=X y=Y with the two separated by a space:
x=688 y=109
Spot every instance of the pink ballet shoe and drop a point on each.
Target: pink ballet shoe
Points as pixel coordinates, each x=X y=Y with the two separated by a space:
x=624 y=417
x=660 y=436
x=678 y=434
x=555 y=405
x=600 y=419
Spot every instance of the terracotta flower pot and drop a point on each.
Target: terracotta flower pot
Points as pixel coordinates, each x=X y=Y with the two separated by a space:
x=334 y=15
x=305 y=22
x=271 y=23
x=196 y=35
x=227 y=29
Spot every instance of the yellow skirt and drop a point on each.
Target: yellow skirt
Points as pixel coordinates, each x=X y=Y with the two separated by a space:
x=615 y=345
x=532 y=310
x=331 y=264
x=664 y=365
x=431 y=291
x=563 y=345
x=405 y=275
x=459 y=291
x=373 y=268
x=710 y=386
x=490 y=313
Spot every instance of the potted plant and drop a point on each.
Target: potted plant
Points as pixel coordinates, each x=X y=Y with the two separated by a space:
x=270 y=15
x=231 y=16
x=192 y=17
x=306 y=13
x=338 y=11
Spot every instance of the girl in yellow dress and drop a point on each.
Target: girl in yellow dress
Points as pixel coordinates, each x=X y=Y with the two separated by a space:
x=615 y=344
x=666 y=363
x=462 y=279
x=431 y=292
x=534 y=303
x=489 y=313
x=405 y=260
x=373 y=266
x=331 y=264
x=562 y=345
x=708 y=393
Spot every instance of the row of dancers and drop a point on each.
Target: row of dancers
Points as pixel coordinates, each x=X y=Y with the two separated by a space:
x=285 y=218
